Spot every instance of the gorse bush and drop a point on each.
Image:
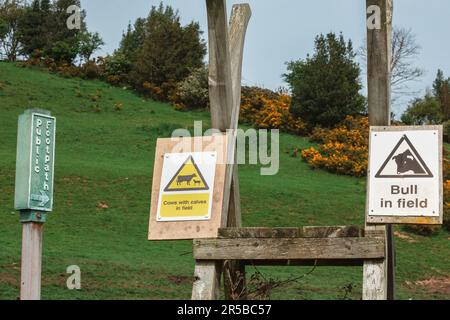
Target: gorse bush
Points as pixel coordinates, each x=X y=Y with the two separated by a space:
x=266 y=109
x=342 y=150
x=115 y=68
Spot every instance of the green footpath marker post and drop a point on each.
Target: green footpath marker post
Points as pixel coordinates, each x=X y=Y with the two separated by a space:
x=34 y=192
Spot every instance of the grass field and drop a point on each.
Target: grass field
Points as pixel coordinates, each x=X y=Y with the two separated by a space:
x=106 y=157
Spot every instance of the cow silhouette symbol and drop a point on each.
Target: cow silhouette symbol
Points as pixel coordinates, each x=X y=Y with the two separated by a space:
x=407 y=162
x=185 y=179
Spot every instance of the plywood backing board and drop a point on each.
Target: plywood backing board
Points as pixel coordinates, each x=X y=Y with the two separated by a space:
x=184 y=230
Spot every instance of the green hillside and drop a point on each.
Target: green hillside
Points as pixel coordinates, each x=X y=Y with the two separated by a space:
x=104 y=158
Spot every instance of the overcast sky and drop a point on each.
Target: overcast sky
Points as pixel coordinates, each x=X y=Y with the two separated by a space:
x=284 y=30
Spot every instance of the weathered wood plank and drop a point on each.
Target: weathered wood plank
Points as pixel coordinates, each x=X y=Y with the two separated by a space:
x=379 y=46
x=378 y=276
x=375 y=280
x=304 y=232
x=30 y=283
x=305 y=263
x=406 y=220
x=240 y=18
x=207 y=280
x=206 y=286
x=239 y=21
x=289 y=249
x=220 y=78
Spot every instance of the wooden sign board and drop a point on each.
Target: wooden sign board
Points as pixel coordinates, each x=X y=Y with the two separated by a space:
x=188 y=188
x=405 y=175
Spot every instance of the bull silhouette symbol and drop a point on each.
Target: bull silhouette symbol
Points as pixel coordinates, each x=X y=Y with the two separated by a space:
x=185 y=179
x=407 y=162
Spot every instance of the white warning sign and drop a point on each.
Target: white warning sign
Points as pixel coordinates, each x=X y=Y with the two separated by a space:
x=405 y=173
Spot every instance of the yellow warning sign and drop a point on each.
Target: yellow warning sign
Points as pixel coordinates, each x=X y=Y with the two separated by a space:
x=186 y=189
x=187 y=178
x=184 y=205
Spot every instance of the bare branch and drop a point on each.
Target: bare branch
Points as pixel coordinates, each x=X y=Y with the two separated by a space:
x=405 y=51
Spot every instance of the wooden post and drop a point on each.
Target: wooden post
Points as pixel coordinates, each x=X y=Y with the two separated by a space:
x=225 y=67
x=240 y=18
x=234 y=271
x=220 y=82
x=379 y=277
x=207 y=280
x=30 y=284
x=207 y=274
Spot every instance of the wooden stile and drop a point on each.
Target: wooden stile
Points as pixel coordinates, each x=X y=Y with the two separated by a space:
x=318 y=246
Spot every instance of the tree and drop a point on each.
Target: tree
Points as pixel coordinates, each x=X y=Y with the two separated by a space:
x=325 y=87
x=441 y=91
x=43 y=29
x=405 y=51
x=133 y=40
x=169 y=51
x=424 y=111
x=63 y=43
x=10 y=14
x=32 y=28
x=88 y=44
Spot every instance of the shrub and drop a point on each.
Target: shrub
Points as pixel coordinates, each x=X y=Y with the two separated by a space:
x=447 y=131
x=90 y=70
x=151 y=90
x=343 y=150
x=192 y=93
x=69 y=71
x=114 y=80
x=115 y=68
x=266 y=109
x=252 y=102
x=423 y=111
x=63 y=51
x=118 y=106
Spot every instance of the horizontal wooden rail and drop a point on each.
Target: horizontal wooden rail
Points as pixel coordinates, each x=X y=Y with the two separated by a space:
x=305 y=263
x=359 y=248
x=304 y=232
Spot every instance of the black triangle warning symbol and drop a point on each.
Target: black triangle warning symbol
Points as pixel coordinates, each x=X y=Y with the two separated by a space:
x=187 y=178
x=404 y=162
